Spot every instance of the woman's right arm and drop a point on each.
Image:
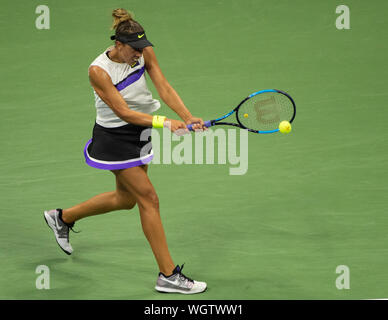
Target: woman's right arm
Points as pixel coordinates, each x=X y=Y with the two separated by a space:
x=102 y=84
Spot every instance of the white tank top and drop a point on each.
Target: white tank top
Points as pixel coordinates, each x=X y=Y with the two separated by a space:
x=131 y=83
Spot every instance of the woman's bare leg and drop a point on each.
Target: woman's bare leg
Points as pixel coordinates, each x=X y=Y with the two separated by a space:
x=120 y=199
x=138 y=184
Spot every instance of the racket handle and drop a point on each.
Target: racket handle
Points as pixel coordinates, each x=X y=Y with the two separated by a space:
x=207 y=123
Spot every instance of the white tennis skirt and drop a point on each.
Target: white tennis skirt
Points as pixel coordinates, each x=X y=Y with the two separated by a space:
x=119 y=148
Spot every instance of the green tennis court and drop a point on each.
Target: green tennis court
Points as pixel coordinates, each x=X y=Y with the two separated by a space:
x=310 y=201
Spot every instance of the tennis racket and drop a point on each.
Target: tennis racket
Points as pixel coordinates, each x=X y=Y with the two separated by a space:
x=260 y=112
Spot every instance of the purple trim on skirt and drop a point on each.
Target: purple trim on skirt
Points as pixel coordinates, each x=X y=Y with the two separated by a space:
x=136 y=75
x=115 y=166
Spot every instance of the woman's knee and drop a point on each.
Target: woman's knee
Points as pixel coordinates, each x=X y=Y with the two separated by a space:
x=125 y=200
x=143 y=194
x=149 y=198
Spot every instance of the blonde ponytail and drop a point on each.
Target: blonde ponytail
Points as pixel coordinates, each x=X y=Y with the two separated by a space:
x=120 y=15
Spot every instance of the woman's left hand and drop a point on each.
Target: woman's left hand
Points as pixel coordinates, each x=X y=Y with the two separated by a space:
x=198 y=124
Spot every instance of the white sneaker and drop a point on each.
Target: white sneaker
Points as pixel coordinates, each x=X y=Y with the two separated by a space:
x=61 y=229
x=179 y=283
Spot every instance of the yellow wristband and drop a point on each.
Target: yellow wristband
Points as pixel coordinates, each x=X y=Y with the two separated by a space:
x=157 y=121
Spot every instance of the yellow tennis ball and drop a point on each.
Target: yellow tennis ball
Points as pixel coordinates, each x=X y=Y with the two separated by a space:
x=285 y=127
x=245 y=115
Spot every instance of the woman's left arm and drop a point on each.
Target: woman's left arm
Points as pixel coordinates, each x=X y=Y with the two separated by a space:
x=166 y=91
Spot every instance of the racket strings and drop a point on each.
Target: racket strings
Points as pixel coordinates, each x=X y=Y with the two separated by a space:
x=265 y=111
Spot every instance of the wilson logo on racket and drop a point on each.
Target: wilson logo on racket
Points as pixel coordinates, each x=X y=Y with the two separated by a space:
x=267 y=111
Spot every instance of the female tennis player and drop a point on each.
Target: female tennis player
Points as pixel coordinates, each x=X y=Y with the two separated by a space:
x=124 y=106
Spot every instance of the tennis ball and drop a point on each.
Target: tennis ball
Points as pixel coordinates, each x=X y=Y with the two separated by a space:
x=285 y=127
x=245 y=115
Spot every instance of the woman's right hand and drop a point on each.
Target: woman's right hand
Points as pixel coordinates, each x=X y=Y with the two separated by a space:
x=176 y=126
